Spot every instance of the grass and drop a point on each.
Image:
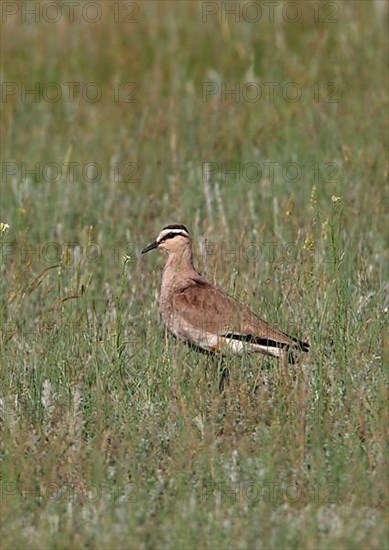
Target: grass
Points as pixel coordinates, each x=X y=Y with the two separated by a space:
x=114 y=436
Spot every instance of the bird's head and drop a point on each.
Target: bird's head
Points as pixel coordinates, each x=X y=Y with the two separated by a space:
x=173 y=238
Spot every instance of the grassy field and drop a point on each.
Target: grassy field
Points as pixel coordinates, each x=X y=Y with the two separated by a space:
x=268 y=138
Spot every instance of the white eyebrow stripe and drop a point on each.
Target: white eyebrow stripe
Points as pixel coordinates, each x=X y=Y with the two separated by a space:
x=166 y=232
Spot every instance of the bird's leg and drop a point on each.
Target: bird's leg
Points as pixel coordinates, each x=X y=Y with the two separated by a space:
x=224 y=375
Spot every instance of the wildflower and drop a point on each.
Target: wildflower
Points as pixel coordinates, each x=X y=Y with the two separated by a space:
x=309 y=243
x=336 y=199
x=4 y=227
x=290 y=206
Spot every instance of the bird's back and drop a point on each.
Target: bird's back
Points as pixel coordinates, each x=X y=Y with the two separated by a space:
x=196 y=311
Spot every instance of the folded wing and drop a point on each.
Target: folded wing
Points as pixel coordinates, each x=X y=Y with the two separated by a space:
x=202 y=305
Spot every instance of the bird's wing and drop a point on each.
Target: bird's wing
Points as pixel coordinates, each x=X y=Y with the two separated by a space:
x=205 y=306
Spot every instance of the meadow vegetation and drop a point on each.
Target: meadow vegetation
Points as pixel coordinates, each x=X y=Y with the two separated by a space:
x=113 y=435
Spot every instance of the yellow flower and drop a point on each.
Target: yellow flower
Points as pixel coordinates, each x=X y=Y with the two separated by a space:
x=4 y=227
x=290 y=206
x=309 y=243
x=336 y=199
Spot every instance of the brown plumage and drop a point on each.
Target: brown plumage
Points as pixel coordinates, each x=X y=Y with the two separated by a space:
x=204 y=316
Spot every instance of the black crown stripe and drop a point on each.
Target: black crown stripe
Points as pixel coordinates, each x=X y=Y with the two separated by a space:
x=176 y=226
x=171 y=236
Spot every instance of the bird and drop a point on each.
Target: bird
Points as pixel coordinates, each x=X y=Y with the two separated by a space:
x=204 y=316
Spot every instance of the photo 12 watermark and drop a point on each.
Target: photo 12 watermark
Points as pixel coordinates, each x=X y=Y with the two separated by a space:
x=59 y=491
x=52 y=328
x=270 y=11
x=70 y=11
x=270 y=252
x=91 y=172
x=69 y=253
x=273 y=171
x=69 y=91
x=273 y=492
x=270 y=91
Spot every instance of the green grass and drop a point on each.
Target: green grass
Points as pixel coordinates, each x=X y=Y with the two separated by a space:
x=112 y=435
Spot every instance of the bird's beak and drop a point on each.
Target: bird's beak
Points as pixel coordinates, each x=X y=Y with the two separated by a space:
x=150 y=247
